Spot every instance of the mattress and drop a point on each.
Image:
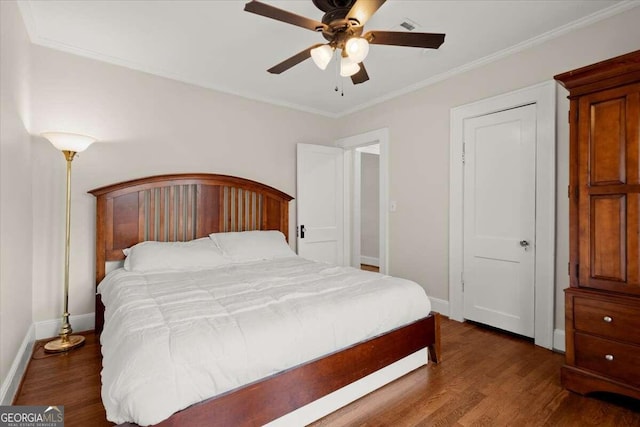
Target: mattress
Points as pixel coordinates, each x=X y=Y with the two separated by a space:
x=173 y=339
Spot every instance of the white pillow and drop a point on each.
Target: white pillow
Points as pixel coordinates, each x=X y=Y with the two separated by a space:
x=253 y=245
x=197 y=254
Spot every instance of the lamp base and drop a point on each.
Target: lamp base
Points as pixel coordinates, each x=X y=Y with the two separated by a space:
x=64 y=343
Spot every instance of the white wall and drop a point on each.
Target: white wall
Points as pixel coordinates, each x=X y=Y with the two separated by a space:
x=370 y=205
x=419 y=145
x=15 y=188
x=146 y=125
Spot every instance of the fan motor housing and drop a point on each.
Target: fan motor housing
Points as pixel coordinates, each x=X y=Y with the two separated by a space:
x=340 y=32
x=339 y=29
x=328 y=5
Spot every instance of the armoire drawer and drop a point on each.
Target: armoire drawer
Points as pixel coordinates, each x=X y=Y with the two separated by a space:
x=608 y=319
x=608 y=358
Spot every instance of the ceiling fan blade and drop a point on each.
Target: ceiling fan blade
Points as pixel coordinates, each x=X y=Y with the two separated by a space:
x=401 y=38
x=361 y=76
x=362 y=10
x=269 y=11
x=294 y=60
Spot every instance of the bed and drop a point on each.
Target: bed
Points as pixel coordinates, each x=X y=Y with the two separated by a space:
x=186 y=207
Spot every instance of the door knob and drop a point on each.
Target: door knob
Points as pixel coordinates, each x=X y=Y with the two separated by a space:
x=524 y=243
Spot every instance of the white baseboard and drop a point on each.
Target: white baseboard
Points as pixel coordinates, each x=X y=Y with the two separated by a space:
x=440 y=305
x=50 y=328
x=369 y=260
x=18 y=367
x=558 y=340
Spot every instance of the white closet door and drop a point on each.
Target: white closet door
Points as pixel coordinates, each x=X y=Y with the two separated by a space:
x=499 y=219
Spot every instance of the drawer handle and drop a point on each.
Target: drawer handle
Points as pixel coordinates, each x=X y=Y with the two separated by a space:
x=607 y=319
x=609 y=357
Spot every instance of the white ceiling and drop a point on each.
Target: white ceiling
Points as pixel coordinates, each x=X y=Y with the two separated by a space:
x=215 y=44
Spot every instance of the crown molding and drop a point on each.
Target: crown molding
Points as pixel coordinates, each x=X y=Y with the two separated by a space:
x=27 y=14
x=29 y=21
x=600 y=15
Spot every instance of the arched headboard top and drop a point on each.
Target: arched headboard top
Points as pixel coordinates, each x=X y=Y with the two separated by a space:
x=212 y=179
x=180 y=207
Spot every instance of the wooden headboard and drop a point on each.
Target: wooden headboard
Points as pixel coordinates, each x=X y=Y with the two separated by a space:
x=180 y=207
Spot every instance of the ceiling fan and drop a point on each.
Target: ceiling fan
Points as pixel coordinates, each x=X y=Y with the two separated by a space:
x=342 y=25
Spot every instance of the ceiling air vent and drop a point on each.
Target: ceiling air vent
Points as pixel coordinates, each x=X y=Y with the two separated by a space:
x=408 y=25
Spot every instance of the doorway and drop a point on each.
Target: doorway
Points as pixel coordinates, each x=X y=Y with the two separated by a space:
x=370 y=146
x=541 y=99
x=366 y=207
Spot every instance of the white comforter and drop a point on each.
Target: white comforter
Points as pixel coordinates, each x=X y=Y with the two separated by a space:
x=176 y=338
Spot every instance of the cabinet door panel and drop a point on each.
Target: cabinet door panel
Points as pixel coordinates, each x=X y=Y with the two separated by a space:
x=608 y=237
x=633 y=136
x=633 y=242
x=607 y=145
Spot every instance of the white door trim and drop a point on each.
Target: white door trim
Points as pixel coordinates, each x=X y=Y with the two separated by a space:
x=544 y=96
x=349 y=144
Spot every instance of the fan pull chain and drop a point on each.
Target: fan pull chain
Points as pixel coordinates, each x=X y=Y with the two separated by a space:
x=339 y=80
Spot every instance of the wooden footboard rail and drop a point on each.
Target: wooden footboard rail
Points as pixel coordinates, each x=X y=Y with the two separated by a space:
x=266 y=400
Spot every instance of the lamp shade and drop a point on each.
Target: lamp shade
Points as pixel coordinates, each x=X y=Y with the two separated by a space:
x=321 y=55
x=64 y=141
x=348 y=68
x=357 y=49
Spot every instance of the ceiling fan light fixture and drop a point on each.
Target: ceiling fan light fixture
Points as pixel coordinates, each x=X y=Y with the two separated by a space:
x=348 y=68
x=357 y=48
x=321 y=56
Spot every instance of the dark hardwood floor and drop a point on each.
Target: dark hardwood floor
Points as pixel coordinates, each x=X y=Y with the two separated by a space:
x=368 y=267
x=70 y=379
x=486 y=378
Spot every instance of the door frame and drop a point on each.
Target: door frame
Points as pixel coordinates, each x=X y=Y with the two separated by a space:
x=349 y=144
x=543 y=95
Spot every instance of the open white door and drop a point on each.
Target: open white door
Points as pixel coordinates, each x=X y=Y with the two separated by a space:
x=320 y=203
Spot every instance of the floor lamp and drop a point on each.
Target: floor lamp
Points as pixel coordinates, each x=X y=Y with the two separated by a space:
x=69 y=144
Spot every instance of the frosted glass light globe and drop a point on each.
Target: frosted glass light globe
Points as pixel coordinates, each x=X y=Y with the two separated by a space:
x=348 y=68
x=357 y=49
x=321 y=55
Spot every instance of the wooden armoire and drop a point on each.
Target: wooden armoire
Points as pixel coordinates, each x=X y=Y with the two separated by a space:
x=602 y=304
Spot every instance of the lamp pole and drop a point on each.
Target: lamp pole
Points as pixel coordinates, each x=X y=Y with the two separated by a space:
x=66 y=341
x=70 y=144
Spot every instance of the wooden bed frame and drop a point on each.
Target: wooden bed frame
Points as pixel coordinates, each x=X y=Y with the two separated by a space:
x=183 y=207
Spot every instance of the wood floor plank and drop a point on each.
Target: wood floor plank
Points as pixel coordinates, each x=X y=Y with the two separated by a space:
x=486 y=378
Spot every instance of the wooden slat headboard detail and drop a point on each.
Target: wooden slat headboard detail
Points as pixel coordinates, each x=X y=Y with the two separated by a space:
x=180 y=207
